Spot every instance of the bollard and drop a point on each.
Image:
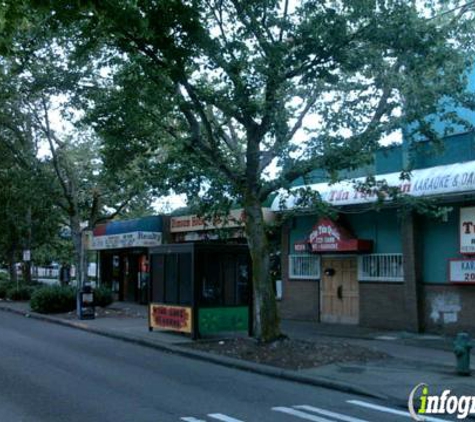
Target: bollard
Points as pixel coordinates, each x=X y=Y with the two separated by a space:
x=462 y=347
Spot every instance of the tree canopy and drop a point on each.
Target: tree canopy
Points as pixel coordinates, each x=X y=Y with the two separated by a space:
x=233 y=99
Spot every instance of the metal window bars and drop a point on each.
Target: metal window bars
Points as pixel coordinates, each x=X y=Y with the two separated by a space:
x=304 y=267
x=381 y=267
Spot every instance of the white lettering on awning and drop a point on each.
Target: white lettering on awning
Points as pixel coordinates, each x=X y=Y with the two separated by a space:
x=433 y=181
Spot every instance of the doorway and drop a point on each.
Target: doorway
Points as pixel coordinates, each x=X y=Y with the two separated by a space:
x=339 y=291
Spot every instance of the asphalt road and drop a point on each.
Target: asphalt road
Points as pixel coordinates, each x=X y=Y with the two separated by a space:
x=52 y=373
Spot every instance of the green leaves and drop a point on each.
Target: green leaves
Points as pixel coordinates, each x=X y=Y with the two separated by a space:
x=208 y=97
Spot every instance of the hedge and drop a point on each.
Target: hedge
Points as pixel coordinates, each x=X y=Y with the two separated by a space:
x=102 y=296
x=19 y=293
x=53 y=300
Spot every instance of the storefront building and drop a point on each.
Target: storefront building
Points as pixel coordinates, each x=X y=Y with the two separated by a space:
x=123 y=248
x=388 y=268
x=201 y=279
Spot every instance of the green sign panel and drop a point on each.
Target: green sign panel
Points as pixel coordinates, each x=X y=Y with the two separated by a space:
x=213 y=320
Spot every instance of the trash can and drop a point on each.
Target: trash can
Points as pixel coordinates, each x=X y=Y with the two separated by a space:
x=85 y=303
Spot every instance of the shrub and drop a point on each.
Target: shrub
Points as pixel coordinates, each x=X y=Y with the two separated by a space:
x=102 y=296
x=19 y=293
x=53 y=300
x=4 y=277
x=4 y=287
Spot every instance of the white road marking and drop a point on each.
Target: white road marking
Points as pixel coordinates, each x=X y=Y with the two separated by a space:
x=324 y=412
x=393 y=411
x=191 y=419
x=300 y=414
x=221 y=417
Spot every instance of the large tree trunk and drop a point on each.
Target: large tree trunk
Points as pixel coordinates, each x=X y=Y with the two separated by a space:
x=76 y=234
x=266 y=319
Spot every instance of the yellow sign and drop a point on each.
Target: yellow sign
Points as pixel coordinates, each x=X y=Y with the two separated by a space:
x=236 y=218
x=174 y=318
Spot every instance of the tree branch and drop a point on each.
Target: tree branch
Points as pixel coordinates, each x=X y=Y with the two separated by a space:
x=51 y=138
x=211 y=155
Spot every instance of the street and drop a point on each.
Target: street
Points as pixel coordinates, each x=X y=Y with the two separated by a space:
x=53 y=373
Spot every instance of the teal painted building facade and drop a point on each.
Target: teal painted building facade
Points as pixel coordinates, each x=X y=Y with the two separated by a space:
x=403 y=282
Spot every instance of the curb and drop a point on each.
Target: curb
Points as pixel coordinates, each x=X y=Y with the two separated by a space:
x=257 y=368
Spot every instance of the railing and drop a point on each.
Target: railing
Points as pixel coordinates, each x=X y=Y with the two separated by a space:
x=45 y=272
x=53 y=271
x=381 y=267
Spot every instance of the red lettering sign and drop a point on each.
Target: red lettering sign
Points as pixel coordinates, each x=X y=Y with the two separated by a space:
x=327 y=236
x=179 y=222
x=171 y=317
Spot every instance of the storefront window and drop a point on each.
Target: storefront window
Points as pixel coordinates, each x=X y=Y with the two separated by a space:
x=304 y=267
x=242 y=285
x=381 y=267
x=115 y=273
x=225 y=280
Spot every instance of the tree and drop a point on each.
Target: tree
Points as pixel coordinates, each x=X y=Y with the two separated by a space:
x=229 y=87
x=71 y=184
x=28 y=218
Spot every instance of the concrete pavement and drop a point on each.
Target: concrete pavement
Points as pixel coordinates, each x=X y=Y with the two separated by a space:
x=51 y=373
x=414 y=358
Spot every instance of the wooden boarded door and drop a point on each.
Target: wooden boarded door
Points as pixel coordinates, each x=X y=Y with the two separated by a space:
x=339 y=291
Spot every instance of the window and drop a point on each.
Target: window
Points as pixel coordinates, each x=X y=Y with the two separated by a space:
x=172 y=278
x=380 y=267
x=224 y=278
x=304 y=267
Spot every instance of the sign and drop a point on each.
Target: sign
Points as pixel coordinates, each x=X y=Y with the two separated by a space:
x=462 y=271
x=440 y=180
x=126 y=240
x=174 y=318
x=87 y=239
x=327 y=236
x=467 y=230
x=190 y=223
x=208 y=235
x=26 y=255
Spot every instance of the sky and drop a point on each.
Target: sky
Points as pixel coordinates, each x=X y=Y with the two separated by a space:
x=173 y=201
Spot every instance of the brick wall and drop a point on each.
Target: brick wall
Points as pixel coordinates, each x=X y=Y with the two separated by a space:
x=382 y=305
x=300 y=298
x=449 y=309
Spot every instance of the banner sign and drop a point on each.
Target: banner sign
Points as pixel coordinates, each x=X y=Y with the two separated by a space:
x=26 y=255
x=467 y=230
x=174 y=318
x=462 y=271
x=236 y=218
x=327 y=236
x=440 y=180
x=126 y=240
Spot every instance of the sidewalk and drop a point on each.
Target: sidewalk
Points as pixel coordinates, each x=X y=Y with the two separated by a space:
x=414 y=358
